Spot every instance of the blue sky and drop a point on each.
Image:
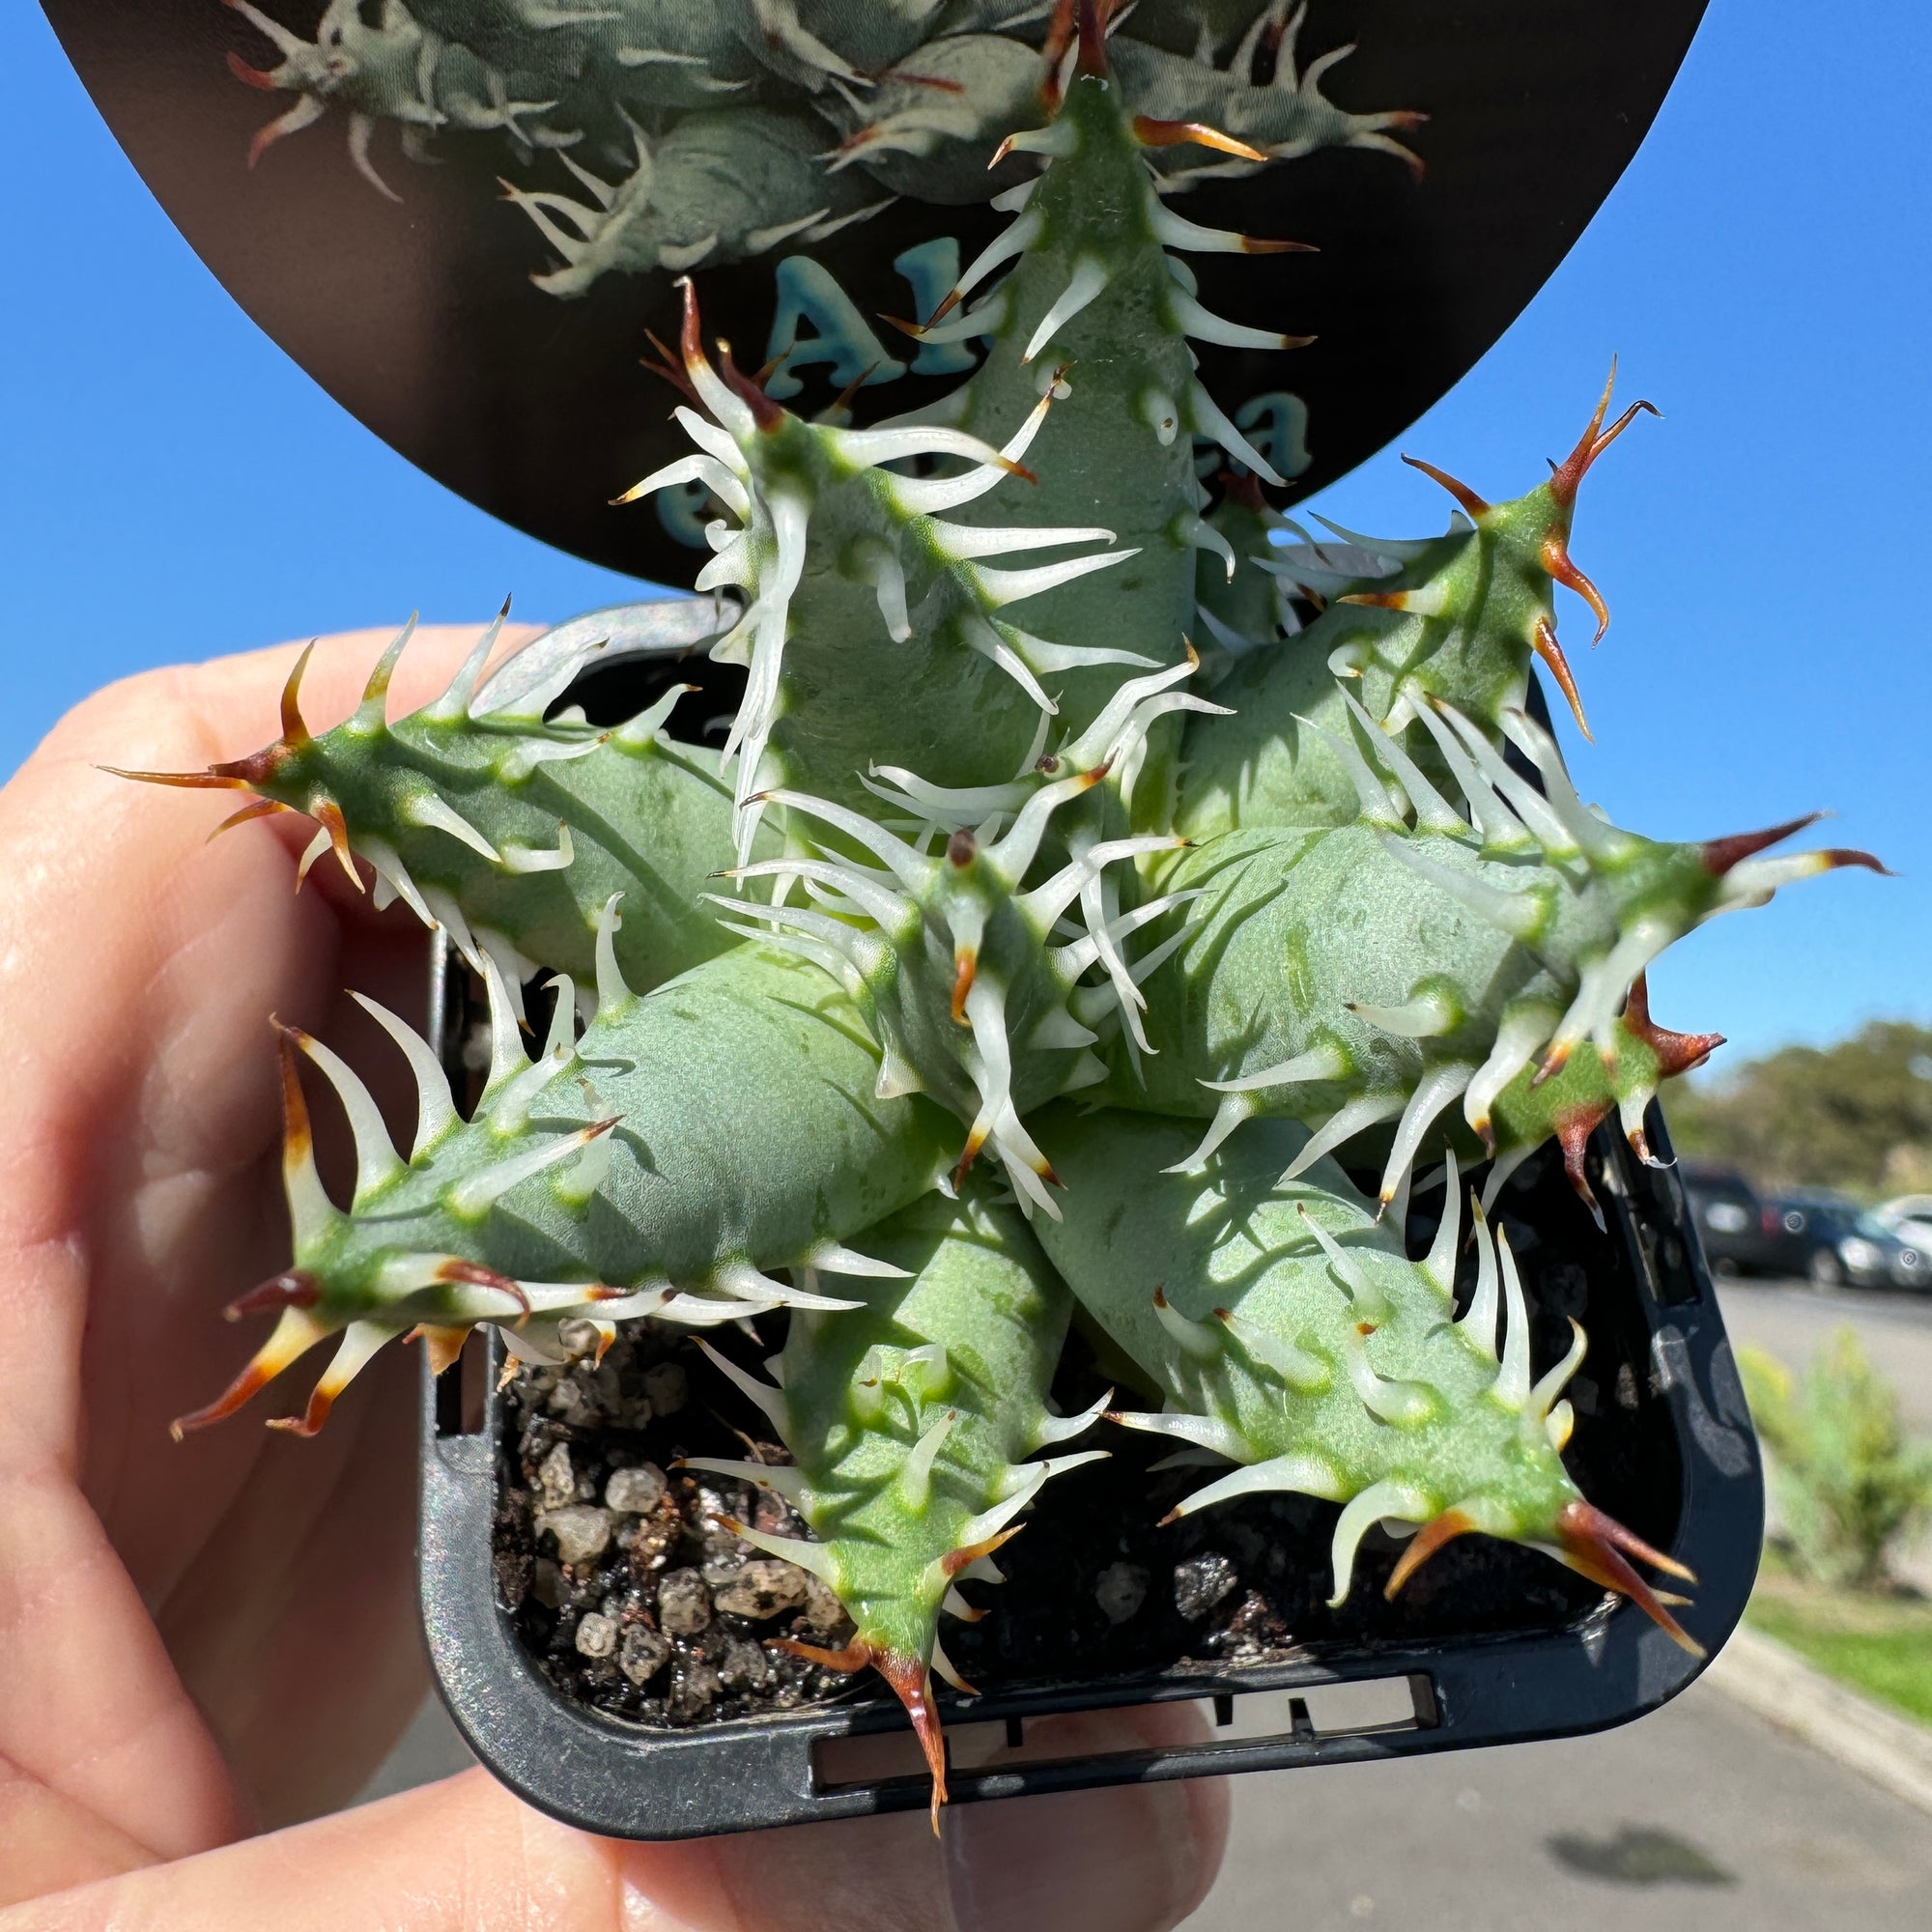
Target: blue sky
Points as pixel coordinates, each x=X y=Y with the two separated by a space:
x=175 y=488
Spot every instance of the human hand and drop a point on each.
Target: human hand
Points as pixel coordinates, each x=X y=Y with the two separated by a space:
x=207 y=1640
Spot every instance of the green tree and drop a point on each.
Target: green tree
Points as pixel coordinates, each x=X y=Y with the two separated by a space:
x=1856 y=1114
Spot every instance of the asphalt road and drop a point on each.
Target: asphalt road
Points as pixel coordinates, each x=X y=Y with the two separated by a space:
x=1700 y=1817
x=1790 y=1320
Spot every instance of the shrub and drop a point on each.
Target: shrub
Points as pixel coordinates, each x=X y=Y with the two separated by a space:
x=1850 y=1481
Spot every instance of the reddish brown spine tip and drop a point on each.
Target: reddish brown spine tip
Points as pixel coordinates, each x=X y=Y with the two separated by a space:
x=1676 y=1052
x=442 y=1345
x=1589 y=1541
x=309 y=1423
x=1153 y=133
x=1474 y=504
x=253 y=76
x=962 y=848
x=1172 y=1517
x=1092 y=57
x=295 y=733
x=1574 y=1127
x=1630 y=1541
x=964 y=1166
x=262 y=807
x=1053 y=49
x=691 y=330
x=1160 y=1295
x=1557 y=562
x=292 y=1336
x=1837 y=857
x=666 y=367
x=965 y=966
x=249 y=1382
x=765 y=413
x=1424 y=1544
x=297 y=1139
x=915 y=329
x=854 y=1655
x=211 y=779
x=455 y=1268
x=1376 y=600
x=295 y=1289
x=956 y=1560
x=912 y=1683
x=1721 y=854
x=1567 y=475
x=1543 y=641
x=1255 y=244
x=944 y=308
x=328 y=816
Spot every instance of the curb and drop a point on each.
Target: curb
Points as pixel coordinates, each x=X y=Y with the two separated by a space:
x=1846 y=1726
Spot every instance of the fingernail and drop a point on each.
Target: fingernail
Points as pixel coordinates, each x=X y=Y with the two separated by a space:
x=1127 y=1857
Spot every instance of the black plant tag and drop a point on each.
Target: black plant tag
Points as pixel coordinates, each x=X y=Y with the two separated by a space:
x=463 y=216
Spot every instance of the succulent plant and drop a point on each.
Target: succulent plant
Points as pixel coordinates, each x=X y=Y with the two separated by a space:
x=991 y=831
x=659 y=135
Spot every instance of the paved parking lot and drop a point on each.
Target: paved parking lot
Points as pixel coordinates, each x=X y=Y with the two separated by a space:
x=1699 y=1817
x=1791 y=1318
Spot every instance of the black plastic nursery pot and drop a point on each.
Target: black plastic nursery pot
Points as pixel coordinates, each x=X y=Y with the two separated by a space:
x=655 y=1724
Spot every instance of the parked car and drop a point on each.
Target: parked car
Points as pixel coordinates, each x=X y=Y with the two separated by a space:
x=1738 y=1232
x=1834 y=1240
x=1910 y=1219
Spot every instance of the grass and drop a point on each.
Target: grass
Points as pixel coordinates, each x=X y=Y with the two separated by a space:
x=1880 y=1645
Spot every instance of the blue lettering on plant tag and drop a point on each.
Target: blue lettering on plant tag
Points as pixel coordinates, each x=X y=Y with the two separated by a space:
x=1276 y=423
x=839 y=337
x=681 y=512
x=932 y=269
x=842 y=335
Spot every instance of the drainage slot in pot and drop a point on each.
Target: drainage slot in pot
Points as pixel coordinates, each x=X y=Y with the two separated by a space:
x=1353 y=1709
x=1360 y=1708
x=460 y=1391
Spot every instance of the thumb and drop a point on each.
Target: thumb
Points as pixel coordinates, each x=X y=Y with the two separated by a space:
x=466 y=1856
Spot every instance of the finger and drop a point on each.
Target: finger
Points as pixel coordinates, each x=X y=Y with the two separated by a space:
x=226 y=707
x=102 y=1746
x=296 y=1627
x=464 y=1855
x=138 y=971
x=137 y=974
